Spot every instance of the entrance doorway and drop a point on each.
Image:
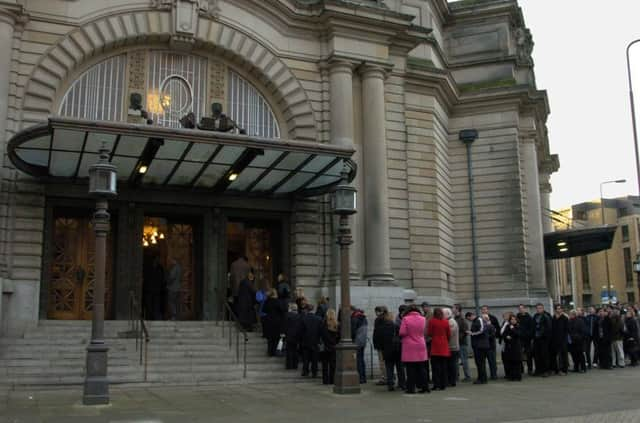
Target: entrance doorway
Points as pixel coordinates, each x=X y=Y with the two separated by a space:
x=261 y=243
x=169 y=253
x=72 y=269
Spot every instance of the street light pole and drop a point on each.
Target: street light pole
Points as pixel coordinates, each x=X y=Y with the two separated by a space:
x=102 y=184
x=468 y=136
x=347 y=380
x=633 y=112
x=606 y=253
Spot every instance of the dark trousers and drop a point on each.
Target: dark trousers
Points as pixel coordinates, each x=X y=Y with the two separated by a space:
x=527 y=350
x=577 y=355
x=493 y=366
x=604 y=355
x=272 y=345
x=389 y=366
x=452 y=368
x=512 y=369
x=480 y=357
x=595 y=350
x=292 y=356
x=309 y=357
x=362 y=371
x=541 y=355
x=560 y=358
x=586 y=348
x=439 y=365
x=416 y=376
x=328 y=359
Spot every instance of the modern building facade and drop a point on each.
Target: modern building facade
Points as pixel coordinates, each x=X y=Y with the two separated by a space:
x=585 y=280
x=392 y=81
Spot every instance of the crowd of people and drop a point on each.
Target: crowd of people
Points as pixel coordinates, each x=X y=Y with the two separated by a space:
x=420 y=349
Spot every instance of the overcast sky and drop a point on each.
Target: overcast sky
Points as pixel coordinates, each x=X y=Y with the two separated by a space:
x=580 y=60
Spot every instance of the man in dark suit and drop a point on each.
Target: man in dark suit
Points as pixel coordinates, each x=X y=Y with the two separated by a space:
x=311 y=339
x=525 y=321
x=293 y=333
x=491 y=354
x=541 y=340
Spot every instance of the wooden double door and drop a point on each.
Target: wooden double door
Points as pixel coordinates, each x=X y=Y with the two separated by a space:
x=72 y=270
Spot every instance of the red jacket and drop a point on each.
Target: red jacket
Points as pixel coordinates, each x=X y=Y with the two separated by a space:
x=438 y=330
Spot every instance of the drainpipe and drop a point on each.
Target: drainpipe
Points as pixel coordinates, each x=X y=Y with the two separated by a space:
x=468 y=136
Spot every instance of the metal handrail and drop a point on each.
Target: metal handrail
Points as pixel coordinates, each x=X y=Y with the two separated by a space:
x=139 y=327
x=239 y=329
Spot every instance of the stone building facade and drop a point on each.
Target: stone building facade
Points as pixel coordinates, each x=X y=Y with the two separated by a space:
x=394 y=79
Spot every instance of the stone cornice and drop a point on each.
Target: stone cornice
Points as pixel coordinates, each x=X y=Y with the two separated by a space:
x=12 y=13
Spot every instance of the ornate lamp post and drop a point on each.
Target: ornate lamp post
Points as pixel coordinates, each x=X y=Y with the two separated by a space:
x=636 y=268
x=343 y=204
x=102 y=185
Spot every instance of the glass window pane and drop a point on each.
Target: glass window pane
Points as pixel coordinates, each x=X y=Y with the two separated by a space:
x=124 y=165
x=63 y=164
x=323 y=180
x=95 y=141
x=130 y=146
x=266 y=159
x=294 y=183
x=171 y=149
x=248 y=107
x=211 y=176
x=200 y=152
x=87 y=160
x=269 y=181
x=34 y=157
x=292 y=161
x=185 y=173
x=158 y=171
x=318 y=163
x=41 y=142
x=68 y=140
x=228 y=155
x=246 y=178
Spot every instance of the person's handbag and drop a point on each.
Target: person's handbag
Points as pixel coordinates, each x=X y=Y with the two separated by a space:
x=280 y=347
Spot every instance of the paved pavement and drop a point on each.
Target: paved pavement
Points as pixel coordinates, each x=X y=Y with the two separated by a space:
x=600 y=396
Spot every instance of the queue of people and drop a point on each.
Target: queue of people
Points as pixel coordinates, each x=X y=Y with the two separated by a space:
x=420 y=350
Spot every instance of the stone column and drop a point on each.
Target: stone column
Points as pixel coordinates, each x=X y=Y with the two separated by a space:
x=547 y=226
x=342 y=134
x=535 y=232
x=7 y=23
x=376 y=198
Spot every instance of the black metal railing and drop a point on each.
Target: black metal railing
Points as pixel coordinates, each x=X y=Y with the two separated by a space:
x=232 y=326
x=138 y=327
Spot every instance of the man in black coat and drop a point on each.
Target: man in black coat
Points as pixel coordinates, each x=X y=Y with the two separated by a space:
x=541 y=340
x=480 y=333
x=491 y=355
x=591 y=320
x=525 y=322
x=381 y=312
x=293 y=333
x=603 y=334
x=311 y=339
x=559 y=341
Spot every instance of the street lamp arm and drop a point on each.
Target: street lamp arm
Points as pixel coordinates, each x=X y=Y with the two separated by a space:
x=633 y=111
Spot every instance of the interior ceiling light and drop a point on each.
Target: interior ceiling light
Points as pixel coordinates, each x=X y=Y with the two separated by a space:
x=143 y=169
x=562 y=244
x=233 y=177
x=564 y=250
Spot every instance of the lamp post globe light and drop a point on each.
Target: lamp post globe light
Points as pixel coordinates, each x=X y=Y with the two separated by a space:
x=102 y=186
x=343 y=204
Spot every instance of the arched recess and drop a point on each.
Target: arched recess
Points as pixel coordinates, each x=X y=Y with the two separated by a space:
x=111 y=32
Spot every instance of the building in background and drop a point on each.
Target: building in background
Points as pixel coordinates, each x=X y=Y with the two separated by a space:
x=395 y=80
x=583 y=280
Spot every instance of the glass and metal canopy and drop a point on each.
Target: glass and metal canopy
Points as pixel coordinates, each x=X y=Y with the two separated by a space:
x=62 y=150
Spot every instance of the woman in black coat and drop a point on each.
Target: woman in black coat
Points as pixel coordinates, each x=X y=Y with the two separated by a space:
x=512 y=354
x=577 y=329
x=272 y=323
x=330 y=338
x=391 y=351
x=245 y=308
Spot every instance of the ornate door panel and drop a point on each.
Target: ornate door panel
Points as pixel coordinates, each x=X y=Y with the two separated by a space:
x=180 y=246
x=72 y=270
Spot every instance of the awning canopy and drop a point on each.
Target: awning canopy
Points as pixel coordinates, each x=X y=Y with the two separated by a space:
x=578 y=242
x=147 y=155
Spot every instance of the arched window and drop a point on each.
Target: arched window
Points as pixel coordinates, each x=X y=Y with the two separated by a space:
x=249 y=108
x=99 y=93
x=176 y=84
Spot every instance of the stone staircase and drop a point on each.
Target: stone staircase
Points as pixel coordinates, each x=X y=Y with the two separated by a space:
x=189 y=353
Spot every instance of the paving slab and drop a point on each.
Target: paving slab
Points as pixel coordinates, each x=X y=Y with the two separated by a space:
x=599 y=396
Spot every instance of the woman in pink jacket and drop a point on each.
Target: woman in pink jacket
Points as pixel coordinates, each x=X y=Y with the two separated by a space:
x=414 y=350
